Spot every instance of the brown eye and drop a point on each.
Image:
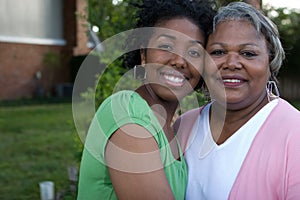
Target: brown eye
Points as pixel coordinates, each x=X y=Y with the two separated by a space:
x=165 y=47
x=248 y=54
x=217 y=52
x=194 y=53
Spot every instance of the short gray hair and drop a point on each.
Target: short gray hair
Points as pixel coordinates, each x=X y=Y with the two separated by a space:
x=263 y=25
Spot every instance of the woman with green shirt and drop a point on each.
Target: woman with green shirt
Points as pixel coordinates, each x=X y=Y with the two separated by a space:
x=131 y=151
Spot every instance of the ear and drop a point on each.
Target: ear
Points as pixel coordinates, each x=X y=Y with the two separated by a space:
x=143 y=56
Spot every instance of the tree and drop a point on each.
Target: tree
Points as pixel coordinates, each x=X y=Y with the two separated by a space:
x=111 y=16
x=288 y=24
x=255 y=3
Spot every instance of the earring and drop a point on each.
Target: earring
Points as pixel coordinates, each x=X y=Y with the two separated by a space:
x=272 y=90
x=139 y=72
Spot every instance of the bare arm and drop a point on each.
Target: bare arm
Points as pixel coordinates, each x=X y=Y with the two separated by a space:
x=135 y=166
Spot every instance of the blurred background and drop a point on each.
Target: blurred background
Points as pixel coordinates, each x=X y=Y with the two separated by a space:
x=42 y=46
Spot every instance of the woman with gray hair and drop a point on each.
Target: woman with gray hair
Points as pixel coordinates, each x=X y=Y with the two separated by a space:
x=245 y=143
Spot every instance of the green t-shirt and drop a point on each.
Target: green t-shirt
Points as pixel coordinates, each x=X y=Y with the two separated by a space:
x=125 y=107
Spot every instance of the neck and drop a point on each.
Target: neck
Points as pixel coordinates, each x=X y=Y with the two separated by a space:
x=224 y=122
x=164 y=110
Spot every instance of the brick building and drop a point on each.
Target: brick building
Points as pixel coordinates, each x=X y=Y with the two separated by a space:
x=37 y=40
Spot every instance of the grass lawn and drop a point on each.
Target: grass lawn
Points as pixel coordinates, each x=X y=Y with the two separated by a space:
x=37 y=144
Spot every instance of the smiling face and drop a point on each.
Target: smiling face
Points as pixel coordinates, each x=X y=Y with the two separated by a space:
x=242 y=61
x=174 y=58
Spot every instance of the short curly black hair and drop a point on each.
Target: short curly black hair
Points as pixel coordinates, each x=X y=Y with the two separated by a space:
x=152 y=12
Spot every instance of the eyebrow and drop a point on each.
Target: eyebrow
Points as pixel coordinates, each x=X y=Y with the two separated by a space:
x=174 y=38
x=241 y=45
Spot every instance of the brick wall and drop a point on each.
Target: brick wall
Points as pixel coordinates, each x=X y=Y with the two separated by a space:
x=19 y=64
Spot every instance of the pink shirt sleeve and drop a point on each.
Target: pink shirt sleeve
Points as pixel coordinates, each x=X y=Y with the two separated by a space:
x=293 y=165
x=271 y=168
x=184 y=124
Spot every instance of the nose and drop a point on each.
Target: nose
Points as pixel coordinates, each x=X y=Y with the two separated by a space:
x=232 y=62
x=178 y=61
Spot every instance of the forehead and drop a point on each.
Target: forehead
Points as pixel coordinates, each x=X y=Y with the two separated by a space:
x=236 y=30
x=182 y=27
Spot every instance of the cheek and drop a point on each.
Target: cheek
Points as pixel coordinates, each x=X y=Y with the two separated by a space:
x=210 y=65
x=263 y=73
x=195 y=75
x=196 y=71
x=151 y=72
x=156 y=56
x=194 y=82
x=260 y=78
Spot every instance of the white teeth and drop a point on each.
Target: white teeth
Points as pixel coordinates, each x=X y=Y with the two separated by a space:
x=231 y=81
x=174 y=79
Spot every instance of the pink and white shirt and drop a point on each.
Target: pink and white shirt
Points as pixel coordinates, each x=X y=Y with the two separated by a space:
x=260 y=161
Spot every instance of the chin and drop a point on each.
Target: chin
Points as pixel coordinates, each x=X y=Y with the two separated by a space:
x=171 y=97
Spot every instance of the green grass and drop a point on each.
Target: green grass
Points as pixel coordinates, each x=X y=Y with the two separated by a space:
x=37 y=144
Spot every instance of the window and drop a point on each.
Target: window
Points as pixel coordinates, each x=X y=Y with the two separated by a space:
x=31 y=21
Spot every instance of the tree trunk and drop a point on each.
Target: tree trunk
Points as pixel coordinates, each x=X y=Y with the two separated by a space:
x=256 y=3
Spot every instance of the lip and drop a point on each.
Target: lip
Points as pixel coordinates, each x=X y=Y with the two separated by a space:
x=173 y=78
x=232 y=81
